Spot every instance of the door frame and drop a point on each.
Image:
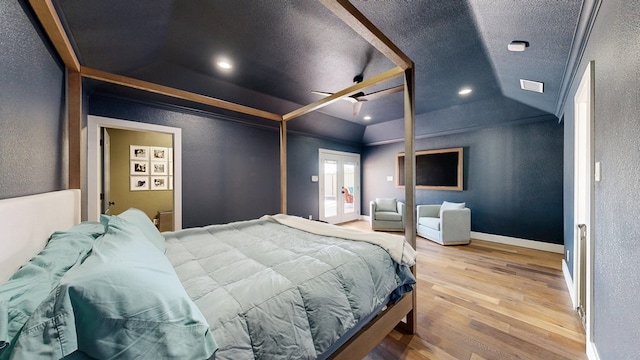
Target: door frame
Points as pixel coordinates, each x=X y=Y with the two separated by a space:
x=94 y=123
x=586 y=149
x=356 y=190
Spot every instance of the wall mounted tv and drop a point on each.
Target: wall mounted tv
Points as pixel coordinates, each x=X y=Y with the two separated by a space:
x=435 y=169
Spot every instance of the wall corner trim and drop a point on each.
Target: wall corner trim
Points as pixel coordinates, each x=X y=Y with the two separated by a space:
x=530 y=244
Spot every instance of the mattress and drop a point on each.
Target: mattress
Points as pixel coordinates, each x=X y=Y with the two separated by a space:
x=269 y=290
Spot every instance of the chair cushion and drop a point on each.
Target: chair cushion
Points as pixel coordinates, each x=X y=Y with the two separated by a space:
x=388 y=216
x=430 y=222
x=450 y=206
x=386 y=205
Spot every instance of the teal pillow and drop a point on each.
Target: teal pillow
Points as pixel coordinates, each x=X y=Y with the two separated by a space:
x=124 y=301
x=142 y=222
x=32 y=283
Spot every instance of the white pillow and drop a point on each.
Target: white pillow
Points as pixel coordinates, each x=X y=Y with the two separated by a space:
x=450 y=206
x=386 y=205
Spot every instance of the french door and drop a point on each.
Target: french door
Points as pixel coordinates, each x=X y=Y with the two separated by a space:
x=339 y=190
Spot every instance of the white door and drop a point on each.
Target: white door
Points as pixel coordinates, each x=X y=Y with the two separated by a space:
x=584 y=174
x=105 y=193
x=339 y=190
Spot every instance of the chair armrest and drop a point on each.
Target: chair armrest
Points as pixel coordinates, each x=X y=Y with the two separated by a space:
x=456 y=223
x=428 y=211
x=372 y=207
x=400 y=208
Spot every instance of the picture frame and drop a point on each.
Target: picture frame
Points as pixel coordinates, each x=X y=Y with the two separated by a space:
x=138 y=152
x=159 y=153
x=159 y=168
x=139 y=167
x=159 y=183
x=138 y=183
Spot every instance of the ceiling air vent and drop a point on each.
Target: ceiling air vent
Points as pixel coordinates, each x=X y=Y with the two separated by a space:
x=531 y=85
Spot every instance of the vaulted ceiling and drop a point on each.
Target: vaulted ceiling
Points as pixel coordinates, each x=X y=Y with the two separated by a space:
x=282 y=51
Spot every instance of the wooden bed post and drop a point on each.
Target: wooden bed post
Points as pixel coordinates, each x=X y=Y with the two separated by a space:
x=283 y=167
x=74 y=104
x=410 y=182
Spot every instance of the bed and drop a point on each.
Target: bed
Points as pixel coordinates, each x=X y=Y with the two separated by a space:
x=274 y=287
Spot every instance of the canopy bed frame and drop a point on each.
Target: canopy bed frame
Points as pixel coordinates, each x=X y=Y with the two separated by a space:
x=379 y=327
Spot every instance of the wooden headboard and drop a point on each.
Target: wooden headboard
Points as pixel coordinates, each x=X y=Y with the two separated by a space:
x=27 y=222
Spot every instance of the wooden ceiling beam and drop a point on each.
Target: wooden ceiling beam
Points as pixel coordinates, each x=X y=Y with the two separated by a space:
x=387 y=75
x=175 y=93
x=351 y=16
x=49 y=19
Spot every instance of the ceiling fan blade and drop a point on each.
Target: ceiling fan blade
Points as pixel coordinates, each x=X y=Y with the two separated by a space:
x=356 y=107
x=321 y=93
x=381 y=93
x=346 y=98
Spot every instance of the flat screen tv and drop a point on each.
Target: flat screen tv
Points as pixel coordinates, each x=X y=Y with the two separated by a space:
x=435 y=169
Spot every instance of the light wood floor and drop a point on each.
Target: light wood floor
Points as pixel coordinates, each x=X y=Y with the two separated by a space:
x=487 y=301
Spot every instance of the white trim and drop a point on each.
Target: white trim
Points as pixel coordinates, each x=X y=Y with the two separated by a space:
x=28 y=221
x=94 y=123
x=592 y=351
x=340 y=157
x=569 y=281
x=531 y=244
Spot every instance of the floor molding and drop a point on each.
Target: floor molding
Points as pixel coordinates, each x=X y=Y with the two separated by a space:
x=569 y=281
x=592 y=352
x=530 y=244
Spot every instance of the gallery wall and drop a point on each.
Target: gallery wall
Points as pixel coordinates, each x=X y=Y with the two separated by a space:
x=149 y=200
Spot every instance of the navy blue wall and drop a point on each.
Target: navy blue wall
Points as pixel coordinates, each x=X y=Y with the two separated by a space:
x=32 y=98
x=231 y=170
x=616 y=228
x=302 y=157
x=512 y=178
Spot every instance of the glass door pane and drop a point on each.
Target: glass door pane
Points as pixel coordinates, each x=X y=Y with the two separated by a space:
x=348 y=187
x=330 y=188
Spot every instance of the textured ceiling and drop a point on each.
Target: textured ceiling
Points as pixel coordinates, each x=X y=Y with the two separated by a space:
x=283 y=50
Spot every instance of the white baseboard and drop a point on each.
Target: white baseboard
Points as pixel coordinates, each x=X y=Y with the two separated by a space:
x=569 y=281
x=365 y=217
x=531 y=244
x=592 y=352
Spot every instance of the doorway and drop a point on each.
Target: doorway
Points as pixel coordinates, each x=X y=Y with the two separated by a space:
x=339 y=190
x=584 y=175
x=95 y=126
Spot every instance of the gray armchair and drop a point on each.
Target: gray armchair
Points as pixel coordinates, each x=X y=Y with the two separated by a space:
x=387 y=214
x=446 y=224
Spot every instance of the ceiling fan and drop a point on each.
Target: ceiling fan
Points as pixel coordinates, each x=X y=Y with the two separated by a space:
x=359 y=98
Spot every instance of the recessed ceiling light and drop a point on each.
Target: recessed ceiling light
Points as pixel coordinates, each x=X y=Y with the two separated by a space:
x=367 y=117
x=465 y=91
x=224 y=64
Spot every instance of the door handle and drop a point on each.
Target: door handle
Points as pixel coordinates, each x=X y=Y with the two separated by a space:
x=112 y=203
